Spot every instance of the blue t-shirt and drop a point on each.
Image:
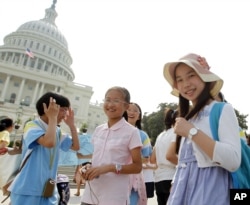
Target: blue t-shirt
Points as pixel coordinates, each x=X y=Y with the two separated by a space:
x=86 y=147
x=146 y=150
x=42 y=163
x=69 y=158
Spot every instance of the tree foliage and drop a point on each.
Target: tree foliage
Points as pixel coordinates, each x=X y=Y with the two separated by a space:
x=153 y=123
x=241 y=119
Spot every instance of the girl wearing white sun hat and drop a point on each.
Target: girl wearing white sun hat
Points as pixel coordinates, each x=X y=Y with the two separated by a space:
x=204 y=166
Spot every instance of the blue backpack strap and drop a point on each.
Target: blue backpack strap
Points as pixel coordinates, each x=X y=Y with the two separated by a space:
x=214 y=118
x=214 y=125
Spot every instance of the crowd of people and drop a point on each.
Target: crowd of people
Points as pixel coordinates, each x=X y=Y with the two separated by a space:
x=185 y=166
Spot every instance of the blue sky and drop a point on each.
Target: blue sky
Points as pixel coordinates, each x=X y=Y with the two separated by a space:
x=127 y=42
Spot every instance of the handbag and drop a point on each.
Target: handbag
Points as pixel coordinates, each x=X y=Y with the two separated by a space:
x=50 y=184
x=49 y=187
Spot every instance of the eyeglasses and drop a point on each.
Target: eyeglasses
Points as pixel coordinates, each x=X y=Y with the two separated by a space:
x=115 y=101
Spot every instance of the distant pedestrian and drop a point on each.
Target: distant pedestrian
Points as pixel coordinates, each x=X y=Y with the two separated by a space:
x=7 y=163
x=165 y=169
x=248 y=139
x=6 y=127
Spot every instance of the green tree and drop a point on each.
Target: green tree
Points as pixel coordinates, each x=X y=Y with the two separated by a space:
x=153 y=123
x=241 y=119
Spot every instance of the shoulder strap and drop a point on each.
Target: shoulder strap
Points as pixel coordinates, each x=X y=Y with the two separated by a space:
x=214 y=119
x=25 y=159
x=214 y=124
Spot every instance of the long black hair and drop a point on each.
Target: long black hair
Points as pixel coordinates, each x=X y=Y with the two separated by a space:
x=188 y=112
x=170 y=116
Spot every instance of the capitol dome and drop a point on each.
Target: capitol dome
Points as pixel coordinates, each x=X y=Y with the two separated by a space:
x=45 y=28
x=46 y=42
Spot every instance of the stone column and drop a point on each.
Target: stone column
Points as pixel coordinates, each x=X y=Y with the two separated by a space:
x=6 y=85
x=20 y=92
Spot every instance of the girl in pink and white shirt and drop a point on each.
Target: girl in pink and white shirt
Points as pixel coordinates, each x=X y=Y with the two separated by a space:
x=117 y=153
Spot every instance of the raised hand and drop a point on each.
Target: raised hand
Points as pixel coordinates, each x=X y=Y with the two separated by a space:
x=69 y=118
x=53 y=109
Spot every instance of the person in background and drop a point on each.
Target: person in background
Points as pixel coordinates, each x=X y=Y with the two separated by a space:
x=7 y=167
x=248 y=139
x=117 y=154
x=62 y=183
x=44 y=139
x=140 y=190
x=204 y=165
x=220 y=97
x=6 y=127
x=165 y=169
x=148 y=175
x=84 y=155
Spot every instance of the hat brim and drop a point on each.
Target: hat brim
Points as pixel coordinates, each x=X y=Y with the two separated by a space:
x=205 y=74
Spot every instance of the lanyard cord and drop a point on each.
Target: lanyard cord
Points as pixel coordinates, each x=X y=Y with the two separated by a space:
x=52 y=157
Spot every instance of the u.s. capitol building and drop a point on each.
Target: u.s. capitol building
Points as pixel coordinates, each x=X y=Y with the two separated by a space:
x=34 y=60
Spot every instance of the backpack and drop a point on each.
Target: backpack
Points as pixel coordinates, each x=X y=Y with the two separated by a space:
x=241 y=177
x=63 y=189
